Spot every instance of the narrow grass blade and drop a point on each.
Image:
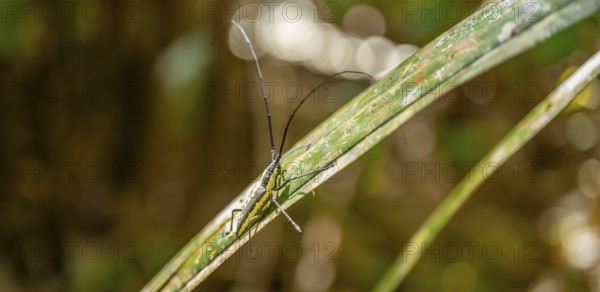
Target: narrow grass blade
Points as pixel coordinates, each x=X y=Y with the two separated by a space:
x=529 y=126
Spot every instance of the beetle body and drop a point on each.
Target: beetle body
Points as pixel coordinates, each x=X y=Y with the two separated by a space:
x=259 y=198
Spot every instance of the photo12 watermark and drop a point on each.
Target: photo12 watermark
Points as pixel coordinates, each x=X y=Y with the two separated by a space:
x=253 y=252
x=34 y=172
x=479 y=92
x=454 y=172
x=226 y=172
x=69 y=12
x=269 y=11
x=67 y=92
x=72 y=251
x=452 y=12
x=472 y=252
x=251 y=92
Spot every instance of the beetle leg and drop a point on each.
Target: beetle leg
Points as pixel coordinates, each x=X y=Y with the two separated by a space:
x=286 y=215
x=225 y=232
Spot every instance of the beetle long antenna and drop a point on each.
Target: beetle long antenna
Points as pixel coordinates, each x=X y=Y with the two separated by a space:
x=262 y=85
x=309 y=94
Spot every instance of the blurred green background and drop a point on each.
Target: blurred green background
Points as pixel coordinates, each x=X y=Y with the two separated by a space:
x=125 y=126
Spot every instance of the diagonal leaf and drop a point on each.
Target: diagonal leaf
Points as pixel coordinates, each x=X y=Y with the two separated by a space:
x=466 y=50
